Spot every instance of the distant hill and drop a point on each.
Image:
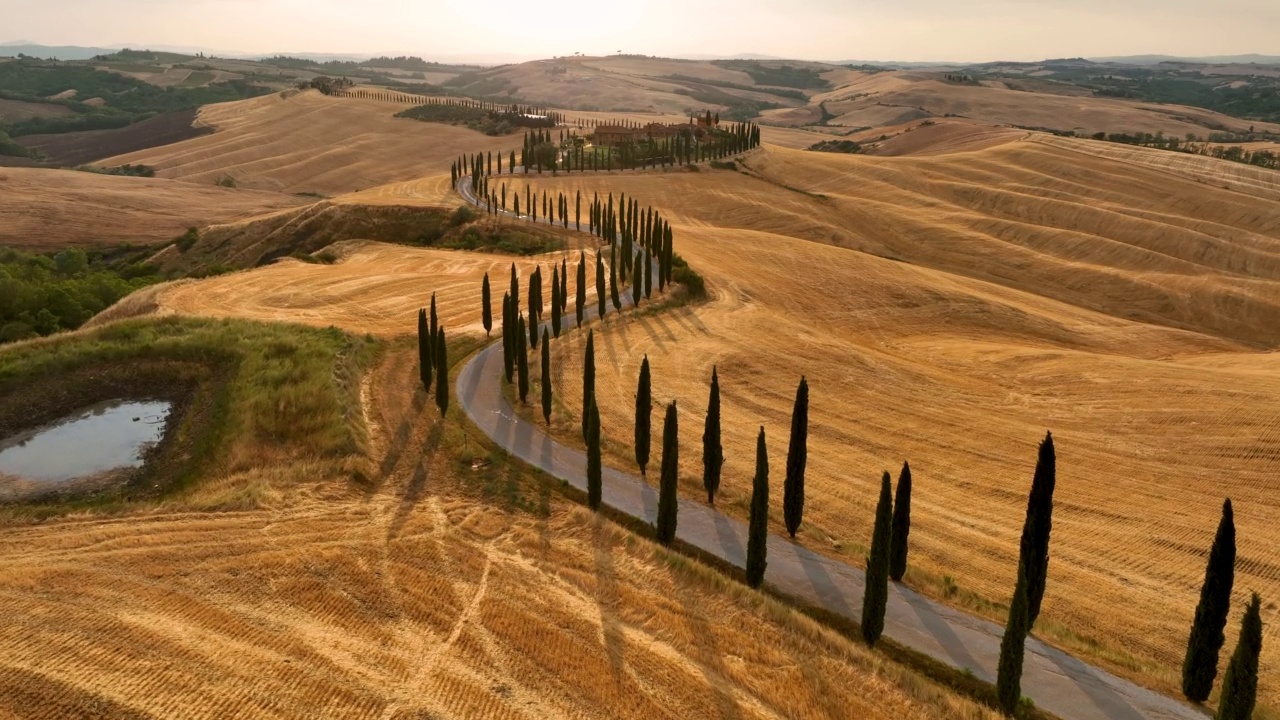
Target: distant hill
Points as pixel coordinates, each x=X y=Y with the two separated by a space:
x=1212 y=59
x=59 y=52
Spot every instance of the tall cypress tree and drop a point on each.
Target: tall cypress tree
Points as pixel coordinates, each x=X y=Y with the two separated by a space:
x=668 y=503
x=1013 y=646
x=1200 y=666
x=556 y=306
x=442 y=373
x=901 y=525
x=564 y=285
x=508 y=347
x=486 y=305
x=1240 y=683
x=435 y=325
x=588 y=377
x=613 y=281
x=712 y=452
x=522 y=361
x=582 y=286
x=601 y=298
x=1035 y=533
x=594 y=471
x=546 y=377
x=758 y=527
x=637 y=282
x=648 y=274
x=515 y=292
x=797 y=456
x=426 y=353
x=876 y=593
x=643 y=411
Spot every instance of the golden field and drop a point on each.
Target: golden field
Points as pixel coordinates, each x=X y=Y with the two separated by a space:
x=948 y=311
x=421 y=596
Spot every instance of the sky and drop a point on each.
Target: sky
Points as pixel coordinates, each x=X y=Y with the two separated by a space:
x=904 y=30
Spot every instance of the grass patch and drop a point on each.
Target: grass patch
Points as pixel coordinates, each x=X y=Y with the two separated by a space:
x=277 y=403
x=836 y=146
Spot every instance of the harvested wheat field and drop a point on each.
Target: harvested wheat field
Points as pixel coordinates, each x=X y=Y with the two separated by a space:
x=51 y=209
x=373 y=288
x=948 y=311
x=306 y=142
x=424 y=596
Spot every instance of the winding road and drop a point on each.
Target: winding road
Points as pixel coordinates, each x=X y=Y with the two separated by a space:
x=1053 y=679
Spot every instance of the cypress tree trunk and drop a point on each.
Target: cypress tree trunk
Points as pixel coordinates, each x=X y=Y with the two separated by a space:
x=588 y=379
x=758 y=528
x=594 y=481
x=668 y=503
x=486 y=306
x=546 y=377
x=876 y=594
x=1012 y=648
x=522 y=361
x=1240 y=683
x=601 y=298
x=426 y=353
x=712 y=452
x=582 y=286
x=556 y=305
x=643 y=411
x=442 y=373
x=1035 y=533
x=1200 y=666
x=901 y=525
x=508 y=347
x=797 y=456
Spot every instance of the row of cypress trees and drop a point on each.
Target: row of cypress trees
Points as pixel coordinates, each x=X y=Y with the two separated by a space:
x=433 y=356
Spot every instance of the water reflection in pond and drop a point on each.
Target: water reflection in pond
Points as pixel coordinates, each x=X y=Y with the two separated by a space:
x=106 y=436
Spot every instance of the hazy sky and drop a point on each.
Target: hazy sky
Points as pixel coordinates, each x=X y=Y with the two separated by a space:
x=811 y=29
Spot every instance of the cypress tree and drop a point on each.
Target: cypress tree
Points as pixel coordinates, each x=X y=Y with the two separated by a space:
x=797 y=456
x=546 y=377
x=1200 y=667
x=435 y=325
x=1240 y=683
x=901 y=525
x=588 y=377
x=508 y=347
x=613 y=281
x=1013 y=646
x=637 y=282
x=486 y=305
x=758 y=528
x=668 y=503
x=712 y=452
x=1035 y=533
x=564 y=285
x=648 y=273
x=601 y=298
x=515 y=292
x=594 y=481
x=582 y=286
x=522 y=361
x=643 y=410
x=426 y=353
x=876 y=594
x=442 y=373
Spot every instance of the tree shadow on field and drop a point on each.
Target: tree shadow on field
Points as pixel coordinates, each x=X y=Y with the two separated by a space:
x=417 y=483
x=401 y=439
x=707 y=655
x=688 y=319
x=662 y=325
x=1110 y=702
x=607 y=597
x=644 y=323
x=610 y=349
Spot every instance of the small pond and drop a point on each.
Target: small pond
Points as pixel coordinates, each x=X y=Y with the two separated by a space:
x=110 y=435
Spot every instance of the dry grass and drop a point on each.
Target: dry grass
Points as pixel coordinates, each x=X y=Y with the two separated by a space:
x=15 y=110
x=1116 y=305
x=49 y=209
x=374 y=288
x=417 y=599
x=306 y=142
